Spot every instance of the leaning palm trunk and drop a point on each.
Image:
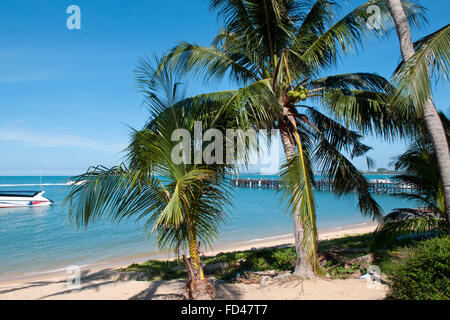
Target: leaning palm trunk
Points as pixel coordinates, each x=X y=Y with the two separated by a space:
x=431 y=116
x=197 y=287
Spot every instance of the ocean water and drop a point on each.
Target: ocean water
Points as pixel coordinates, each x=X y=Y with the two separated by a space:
x=40 y=239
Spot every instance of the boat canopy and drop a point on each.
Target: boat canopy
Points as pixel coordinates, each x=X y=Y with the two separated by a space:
x=27 y=194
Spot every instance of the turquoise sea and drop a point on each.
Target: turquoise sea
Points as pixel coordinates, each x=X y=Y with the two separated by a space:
x=40 y=240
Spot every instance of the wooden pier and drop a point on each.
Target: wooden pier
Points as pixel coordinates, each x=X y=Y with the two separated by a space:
x=375 y=186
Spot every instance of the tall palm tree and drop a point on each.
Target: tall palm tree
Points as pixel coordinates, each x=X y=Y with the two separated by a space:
x=277 y=51
x=419 y=169
x=182 y=203
x=419 y=61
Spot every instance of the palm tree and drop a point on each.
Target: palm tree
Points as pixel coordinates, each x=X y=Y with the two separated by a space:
x=182 y=203
x=419 y=169
x=278 y=50
x=420 y=61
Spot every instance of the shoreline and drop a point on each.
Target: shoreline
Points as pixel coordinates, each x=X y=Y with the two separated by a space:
x=259 y=243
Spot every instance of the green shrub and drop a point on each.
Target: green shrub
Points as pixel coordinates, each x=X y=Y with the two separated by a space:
x=423 y=273
x=270 y=259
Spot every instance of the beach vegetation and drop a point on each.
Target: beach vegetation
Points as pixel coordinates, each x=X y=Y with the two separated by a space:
x=340 y=261
x=223 y=266
x=347 y=242
x=340 y=258
x=421 y=272
x=159 y=270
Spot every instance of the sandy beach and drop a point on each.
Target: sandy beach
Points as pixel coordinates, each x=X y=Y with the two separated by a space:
x=102 y=281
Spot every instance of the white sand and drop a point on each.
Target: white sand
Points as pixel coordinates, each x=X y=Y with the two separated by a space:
x=101 y=282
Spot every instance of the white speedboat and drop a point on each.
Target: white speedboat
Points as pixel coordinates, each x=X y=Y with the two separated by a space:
x=14 y=199
x=73 y=183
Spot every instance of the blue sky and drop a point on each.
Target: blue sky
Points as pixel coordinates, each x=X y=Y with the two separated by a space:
x=67 y=97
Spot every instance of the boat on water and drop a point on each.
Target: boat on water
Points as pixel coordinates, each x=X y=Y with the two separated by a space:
x=74 y=183
x=15 y=199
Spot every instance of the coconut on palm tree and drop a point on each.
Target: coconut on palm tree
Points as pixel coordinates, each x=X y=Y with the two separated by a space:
x=180 y=202
x=278 y=52
x=427 y=58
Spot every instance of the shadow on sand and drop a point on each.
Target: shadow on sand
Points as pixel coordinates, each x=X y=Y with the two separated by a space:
x=98 y=279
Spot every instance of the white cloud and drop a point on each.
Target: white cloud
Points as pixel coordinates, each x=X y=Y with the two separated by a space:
x=58 y=140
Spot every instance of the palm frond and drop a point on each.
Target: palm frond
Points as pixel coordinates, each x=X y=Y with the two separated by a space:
x=352 y=31
x=360 y=81
x=115 y=193
x=210 y=62
x=346 y=178
x=406 y=221
x=419 y=169
x=431 y=60
x=369 y=112
x=341 y=138
x=264 y=22
x=161 y=88
x=206 y=200
x=253 y=106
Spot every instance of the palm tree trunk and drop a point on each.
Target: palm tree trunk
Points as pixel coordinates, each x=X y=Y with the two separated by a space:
x=197 y=287
x=303 y=267
x=431 y=116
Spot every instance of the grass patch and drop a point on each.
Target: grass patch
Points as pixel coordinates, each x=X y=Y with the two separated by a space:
x=230 y=264
x=347 y=242
x=159 y=270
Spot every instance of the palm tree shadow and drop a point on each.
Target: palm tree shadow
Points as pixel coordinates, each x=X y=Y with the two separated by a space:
x=91 y=286
x=32 y=284
x=224 y=291
x=227 y=291
x=150 y=292
x=85 y=276
x=29 y=285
